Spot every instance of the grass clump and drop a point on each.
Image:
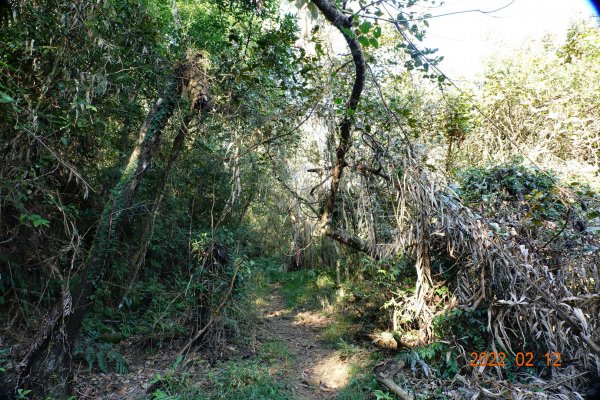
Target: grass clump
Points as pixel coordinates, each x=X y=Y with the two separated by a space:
x=360 y=388
x=341 y=328
x=261 y=378
x=307 y=288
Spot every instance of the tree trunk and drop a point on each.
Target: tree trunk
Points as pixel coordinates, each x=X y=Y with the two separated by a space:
x=48 y=364
x=353 y=242
x=343 y=24
x=139 y=257
x=297 y=245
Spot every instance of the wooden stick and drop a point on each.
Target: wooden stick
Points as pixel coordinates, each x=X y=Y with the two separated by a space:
x=397 y=390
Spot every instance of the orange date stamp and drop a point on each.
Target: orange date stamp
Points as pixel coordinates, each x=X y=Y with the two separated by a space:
x=521 y=359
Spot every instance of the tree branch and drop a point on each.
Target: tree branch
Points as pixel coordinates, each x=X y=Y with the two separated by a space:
x=344 y=25
x=351 y=241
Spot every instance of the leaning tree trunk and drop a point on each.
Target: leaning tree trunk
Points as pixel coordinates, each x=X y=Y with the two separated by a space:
x=139 y=257
x=48 y=365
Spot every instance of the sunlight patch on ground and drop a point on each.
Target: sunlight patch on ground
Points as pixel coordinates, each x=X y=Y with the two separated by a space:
x=261 y=302
x=278 y=313
x=330 y=372
x=311 y=319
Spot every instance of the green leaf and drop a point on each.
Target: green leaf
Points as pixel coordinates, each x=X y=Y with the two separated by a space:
x=338 y=100
x=90 y=357
x=177 y=362
x=102 y=361
x=319 y=48
x=377 y=32
x=40 y=222
x=365 y=27
x=373 y=42
x=4 y=98
x=364 y=41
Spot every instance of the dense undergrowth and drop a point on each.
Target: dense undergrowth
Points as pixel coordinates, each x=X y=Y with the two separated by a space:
x=465 y=221
x=360 y=306
x=359 y=298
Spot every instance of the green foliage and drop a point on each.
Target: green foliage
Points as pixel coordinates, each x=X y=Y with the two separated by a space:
x=380 y=395
x=4 y=362
x=306 y=288
x=35 y=219
x=466 y=328
x=537 y=102
x=435 y=359
x=4 y=98
x=582 y=42
x=513 y=183
x=103 y=355
x=275 y=351
x=457 y=328
x=236 y=379
x=508 y=182
x=459 y=119
x=77 y=82
x=362 y=387
x=388 y=272
x=348 y=349
x=340 y=330
x=22 y=394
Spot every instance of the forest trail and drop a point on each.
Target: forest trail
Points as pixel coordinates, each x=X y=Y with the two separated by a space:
x=312 y=370
x=316 y=371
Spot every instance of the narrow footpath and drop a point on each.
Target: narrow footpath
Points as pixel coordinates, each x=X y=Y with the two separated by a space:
x=318 y=372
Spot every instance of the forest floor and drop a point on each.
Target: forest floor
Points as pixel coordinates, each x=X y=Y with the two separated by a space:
x=317 y=371
x=295 y=354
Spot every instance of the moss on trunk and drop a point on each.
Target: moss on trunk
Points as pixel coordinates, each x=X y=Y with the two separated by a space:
x=48 y=370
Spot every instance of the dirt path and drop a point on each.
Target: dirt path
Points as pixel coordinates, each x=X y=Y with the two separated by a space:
x=315 y=371
x=318 y=372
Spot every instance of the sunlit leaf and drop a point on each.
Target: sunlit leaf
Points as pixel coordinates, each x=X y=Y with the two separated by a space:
x=365 y=27
x=377 y=32
x=364 y=41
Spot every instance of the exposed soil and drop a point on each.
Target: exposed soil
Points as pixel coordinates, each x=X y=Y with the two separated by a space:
x=318 y=372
